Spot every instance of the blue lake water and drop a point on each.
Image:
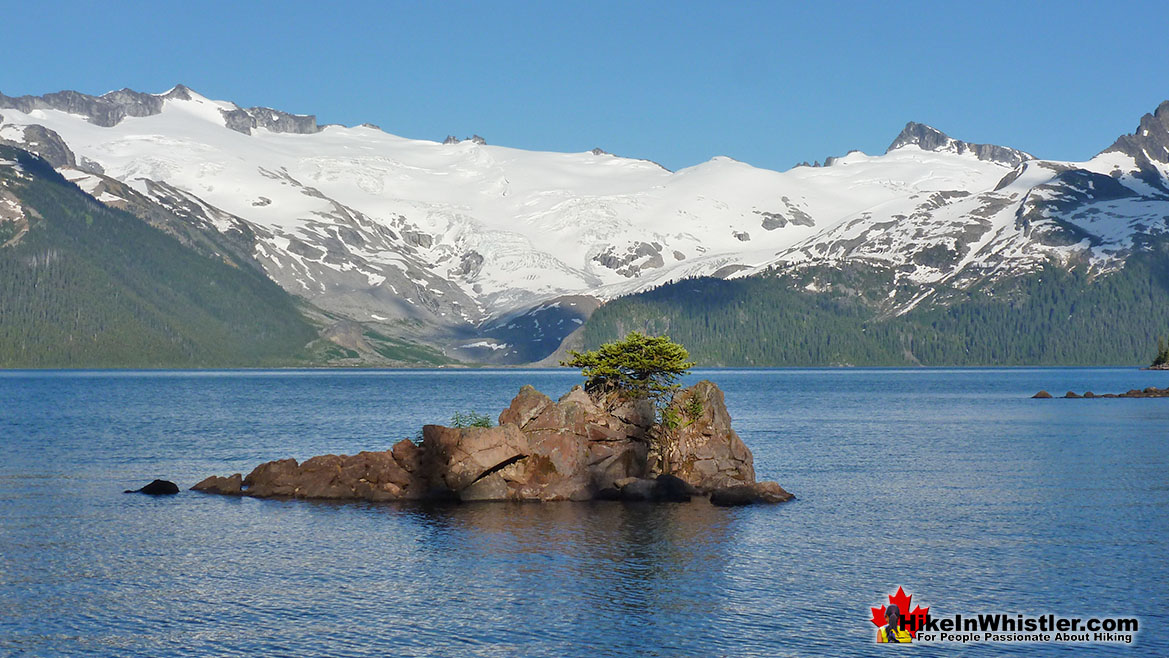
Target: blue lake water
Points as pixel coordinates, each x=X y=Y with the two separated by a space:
x=951 y=483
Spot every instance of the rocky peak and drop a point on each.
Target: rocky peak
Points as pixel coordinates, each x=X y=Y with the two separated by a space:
x=928 y=138
x=179 y=92
x=106 y=110
x=109 y=109
x=474 y=139
x=243 y=121
x=1150 y=141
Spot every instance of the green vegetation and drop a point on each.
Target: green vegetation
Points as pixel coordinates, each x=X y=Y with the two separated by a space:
x=405 y=352
x=637 y=365
x=1162 y=358
x=326 y=351
x=672 y=415
x=1051 y=317
x=7 y=230
x=470 y=419
x=89 y=286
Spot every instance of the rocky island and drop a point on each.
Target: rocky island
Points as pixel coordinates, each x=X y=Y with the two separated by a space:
x=580 y=447
x=631 y=433
x=1147 y=392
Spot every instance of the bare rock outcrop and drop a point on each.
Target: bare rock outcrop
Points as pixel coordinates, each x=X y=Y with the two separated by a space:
x=703 y=450
x=375 y=476
x=577 y=448
x=1147 y=392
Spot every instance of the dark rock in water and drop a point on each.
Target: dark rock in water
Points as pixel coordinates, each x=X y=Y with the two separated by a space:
x=577 y=448
x=663 y=489
x=608 y=493
x=672 y=489
x=749 y=494
x=638 y=489
x=1147 y=392
x=1041 y=395
x=157 y=488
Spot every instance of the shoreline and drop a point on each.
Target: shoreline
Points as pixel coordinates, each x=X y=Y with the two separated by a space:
x=523 y=368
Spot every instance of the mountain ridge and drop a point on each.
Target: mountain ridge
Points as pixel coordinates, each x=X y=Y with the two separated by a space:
x=929 y=138
x=470 y=247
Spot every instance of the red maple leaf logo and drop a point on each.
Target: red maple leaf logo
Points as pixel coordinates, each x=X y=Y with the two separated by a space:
x=912 y=620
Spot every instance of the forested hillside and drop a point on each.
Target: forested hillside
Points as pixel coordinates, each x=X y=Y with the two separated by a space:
x=1052 y=317
x=90 y=286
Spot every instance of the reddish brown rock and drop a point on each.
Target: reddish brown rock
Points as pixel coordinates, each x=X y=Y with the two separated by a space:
x=275 y=478
x=702 y=449
x=457 y=457
x=407 y=454
x=226 y=486
x=576 y=448
x=524 y=407
x=376 y=476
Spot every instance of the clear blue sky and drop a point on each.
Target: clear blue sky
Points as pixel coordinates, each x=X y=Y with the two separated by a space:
x=769 y=83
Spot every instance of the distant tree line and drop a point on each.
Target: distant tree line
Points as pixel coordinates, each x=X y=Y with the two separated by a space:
x=90 y=286
x=1053 y=316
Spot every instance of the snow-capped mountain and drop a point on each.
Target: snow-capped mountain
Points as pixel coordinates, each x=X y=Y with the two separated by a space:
x=498 y=253
x=1096 y=211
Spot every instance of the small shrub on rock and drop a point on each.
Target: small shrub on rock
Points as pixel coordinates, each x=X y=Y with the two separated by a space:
x=470 y=419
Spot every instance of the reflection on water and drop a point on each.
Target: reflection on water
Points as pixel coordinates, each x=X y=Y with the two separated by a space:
x=952 y=483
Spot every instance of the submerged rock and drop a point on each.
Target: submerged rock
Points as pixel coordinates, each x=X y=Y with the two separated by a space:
x=749 y=494
x=579 y=447
x=157 y=488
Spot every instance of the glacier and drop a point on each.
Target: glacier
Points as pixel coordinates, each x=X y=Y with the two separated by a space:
x=455 y=242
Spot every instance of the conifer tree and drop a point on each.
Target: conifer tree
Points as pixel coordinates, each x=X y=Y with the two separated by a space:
x=640 y=366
